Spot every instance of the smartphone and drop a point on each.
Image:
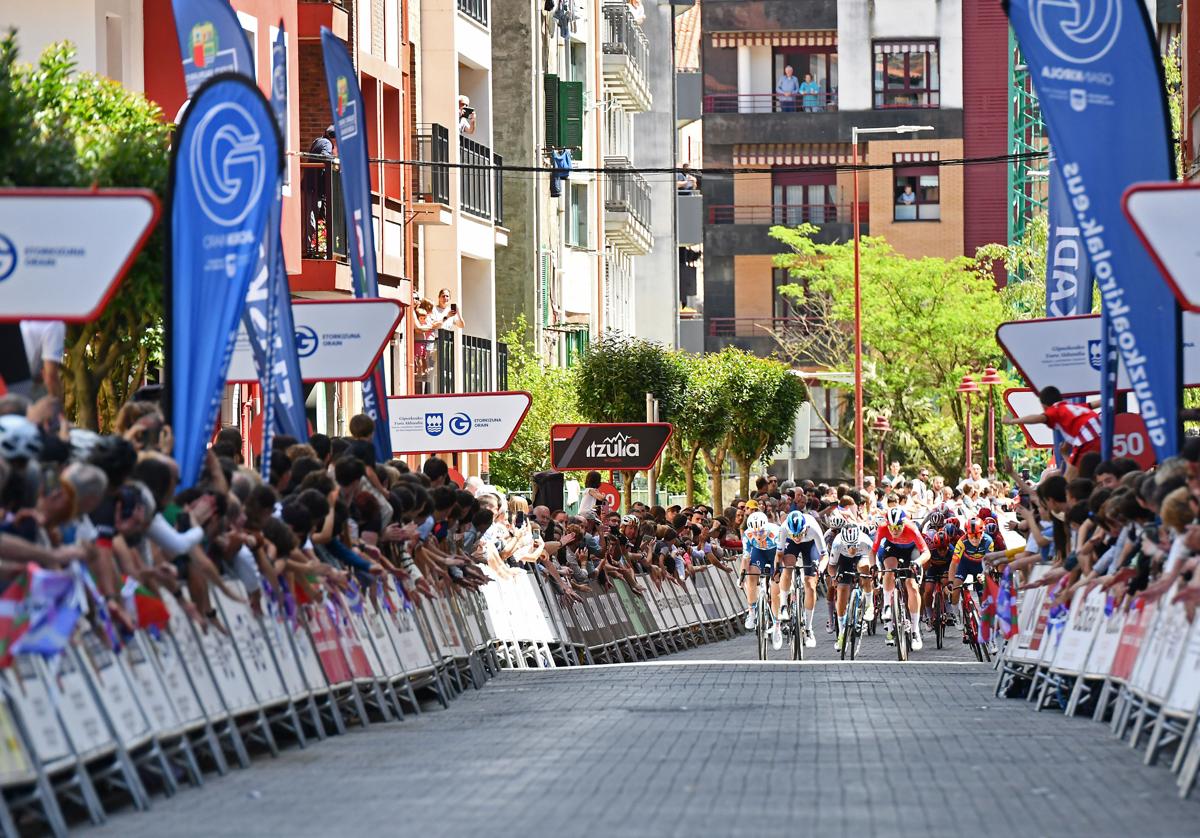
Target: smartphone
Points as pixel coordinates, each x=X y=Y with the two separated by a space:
x=454 y=308
x=1025 y=474
x=520 y=521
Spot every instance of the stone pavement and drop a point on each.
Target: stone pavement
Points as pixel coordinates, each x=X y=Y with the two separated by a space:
x=690 y=748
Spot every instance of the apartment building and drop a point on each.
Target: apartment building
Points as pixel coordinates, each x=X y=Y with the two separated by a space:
x=580 y=77
x=855 y=64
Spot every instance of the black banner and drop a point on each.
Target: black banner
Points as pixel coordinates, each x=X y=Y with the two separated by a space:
x=631 y=447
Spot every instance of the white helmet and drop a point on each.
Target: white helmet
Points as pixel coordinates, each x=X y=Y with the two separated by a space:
x=896 y=517
x=835 y=520
x=756 y=521
x=851 y=534
x=20 y=439
x=82 y=443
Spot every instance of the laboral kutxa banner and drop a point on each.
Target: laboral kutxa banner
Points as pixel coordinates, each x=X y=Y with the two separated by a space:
x=225 y=168
x=345 y=100
x=1095 y=69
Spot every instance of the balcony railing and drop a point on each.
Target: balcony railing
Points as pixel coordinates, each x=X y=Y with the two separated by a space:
x=628 y=192
x=728 y=327
x=498 y=196
x=477 y=364
x=441 y=373
x=790 y=214
x=770 y=103
x=626 y=42
x=321 y=206
x=475 y=178
x=475 y=9
x=433 y=146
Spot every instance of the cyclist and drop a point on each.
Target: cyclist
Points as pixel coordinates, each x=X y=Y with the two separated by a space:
x=900 y=545
x=940 y=552
x=933 y=523
x=760 y=543
x=968 y=558
x=851 y=555
x=835 y=519
x=801 y=537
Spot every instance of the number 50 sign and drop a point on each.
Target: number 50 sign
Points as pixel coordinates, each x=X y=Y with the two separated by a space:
x=1131 y=440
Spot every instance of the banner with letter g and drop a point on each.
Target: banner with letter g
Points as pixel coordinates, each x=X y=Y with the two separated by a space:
x=1095 y=68
x=225 y=170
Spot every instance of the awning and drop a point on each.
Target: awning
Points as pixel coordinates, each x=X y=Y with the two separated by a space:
x=795 y=38
x=793 y=154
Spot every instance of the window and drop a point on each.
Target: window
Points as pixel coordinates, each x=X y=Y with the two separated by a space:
x=804 y=197
x=577 y=217
x=819 y=62
x=907 y=74
x=577 y=344
x=564 y=112
x=577 y=71
x=250 y=29
x=917 y=193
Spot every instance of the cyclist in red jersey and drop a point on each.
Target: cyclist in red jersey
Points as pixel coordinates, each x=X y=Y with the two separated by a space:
x=899 y=544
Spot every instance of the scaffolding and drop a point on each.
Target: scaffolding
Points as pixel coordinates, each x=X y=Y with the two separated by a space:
x=1027 y=178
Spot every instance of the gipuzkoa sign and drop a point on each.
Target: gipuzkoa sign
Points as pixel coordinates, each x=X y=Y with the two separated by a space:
x=629 y=447
x=458 y=422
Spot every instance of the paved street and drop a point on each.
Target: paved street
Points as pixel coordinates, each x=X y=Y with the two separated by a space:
x=662 y=749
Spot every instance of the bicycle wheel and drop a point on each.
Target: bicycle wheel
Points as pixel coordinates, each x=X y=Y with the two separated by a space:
x=900 y=621
x=763 y=615
x=938 y=611
x=971 y=614
x=847 y=634
x=794 y=628
x=856 y=628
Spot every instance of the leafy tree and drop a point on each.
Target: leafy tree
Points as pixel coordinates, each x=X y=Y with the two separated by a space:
x=614 y=376
x=553 y=391
x=59 y=128
x=764 y=398
x=926 y=322
x=702 y=428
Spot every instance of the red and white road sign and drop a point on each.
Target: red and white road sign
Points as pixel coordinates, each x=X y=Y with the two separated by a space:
x=612 y=498
x=336 y=340
x=1022 y=401
x=64 y=251
x=1163 y=215
x=1131 y=440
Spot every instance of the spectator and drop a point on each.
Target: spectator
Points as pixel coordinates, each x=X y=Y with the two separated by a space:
x=44 y=348
x=810 y=93
x=466 y=116
x=445 y=314
x=786 y=89
x=322 y=146
x=685 y=182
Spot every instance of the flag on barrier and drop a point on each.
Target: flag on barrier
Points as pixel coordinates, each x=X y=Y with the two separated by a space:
x=55 y=602
x=1006 y=607
x=987 y=622
x=14 y=616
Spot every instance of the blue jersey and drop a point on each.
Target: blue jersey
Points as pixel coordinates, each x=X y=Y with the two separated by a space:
x=764 y=540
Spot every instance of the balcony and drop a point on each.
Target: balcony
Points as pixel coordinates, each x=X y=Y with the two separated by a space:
x=689 y=218
x=498 y=194
x=432 y=198
x=475 y=179
x=627 y=211
x=321 y=209
x=436 y=376
x=770 y=103
x=313 y=14
x=743 y=229
x=758 y=335
x=476 y=10
x=626 y=57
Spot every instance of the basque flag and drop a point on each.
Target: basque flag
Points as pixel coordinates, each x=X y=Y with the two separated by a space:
x=211 y=41
x=225 y=168
x=345 y=100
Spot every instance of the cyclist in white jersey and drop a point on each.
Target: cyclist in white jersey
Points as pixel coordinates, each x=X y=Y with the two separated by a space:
x=851 y=555
x=760 y=543
x=801 y=537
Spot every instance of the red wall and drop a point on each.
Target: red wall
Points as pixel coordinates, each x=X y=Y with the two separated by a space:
x=985 y=124
x=164 y=84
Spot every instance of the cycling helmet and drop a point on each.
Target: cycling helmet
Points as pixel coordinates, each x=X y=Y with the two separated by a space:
x=82 y=443
x=896 y=517
x=794 y=522
x=851 y=533
x=835 y=520
x=756 y=521
x=952 y=530
x=991 y=526
x=630 y=519
x=939 y=541
x=936 y=520
x=974 y=528
x=20 y=439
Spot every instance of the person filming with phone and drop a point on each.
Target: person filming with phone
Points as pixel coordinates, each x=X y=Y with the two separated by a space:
x=445 y=314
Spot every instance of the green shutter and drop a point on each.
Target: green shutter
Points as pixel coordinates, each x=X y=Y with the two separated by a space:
x=551 y=86
x=570 y=114
x=544 y=288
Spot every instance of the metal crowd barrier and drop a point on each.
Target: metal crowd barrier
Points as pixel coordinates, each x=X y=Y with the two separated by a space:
x=1140 y=666
x=94 y=724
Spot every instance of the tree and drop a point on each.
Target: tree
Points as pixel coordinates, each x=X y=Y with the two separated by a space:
x=59 y=128
x=553 y=392
x=702 y=427
x=614 y=376
x=926 y=322
x=763 y=400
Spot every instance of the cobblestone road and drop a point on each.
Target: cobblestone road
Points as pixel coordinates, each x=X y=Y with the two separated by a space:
x=690 y=748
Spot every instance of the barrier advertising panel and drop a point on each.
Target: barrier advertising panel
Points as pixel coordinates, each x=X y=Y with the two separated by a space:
x=462 y=422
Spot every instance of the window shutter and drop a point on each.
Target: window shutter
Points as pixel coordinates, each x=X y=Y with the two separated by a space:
x=550 y=85
x=543 y=290
x=570 y=114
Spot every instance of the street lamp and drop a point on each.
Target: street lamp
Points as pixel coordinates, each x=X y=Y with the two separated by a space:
x=883 y=427
x=968 y=386
x=990 y=379
x=858 y=371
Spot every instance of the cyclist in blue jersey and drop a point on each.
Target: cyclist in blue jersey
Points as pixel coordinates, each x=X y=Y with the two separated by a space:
x=801 y=537
x=968 y=557
x=760 y=543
